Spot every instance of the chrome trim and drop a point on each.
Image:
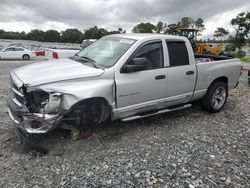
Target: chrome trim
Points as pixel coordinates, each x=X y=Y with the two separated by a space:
x=16 y=102
x=12 y=117
x=18 y=93
x=131 y=118
x=179 y=97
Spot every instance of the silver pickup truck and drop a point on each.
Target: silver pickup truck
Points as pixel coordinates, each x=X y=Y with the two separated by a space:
x=124 y=76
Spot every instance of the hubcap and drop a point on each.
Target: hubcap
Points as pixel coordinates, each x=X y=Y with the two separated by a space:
x=219 y=97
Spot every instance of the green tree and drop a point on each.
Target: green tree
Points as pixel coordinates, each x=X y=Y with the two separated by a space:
x=12 y=35
x=160 y=27
x=241 y=25
x=199 y=25
x=187 y=22
x=172 y=29
x=36 y=34
x=144 y=28
x=119 y=31
x=52 y=36
x=72 y=35
x=95 y=33
x=221 y=33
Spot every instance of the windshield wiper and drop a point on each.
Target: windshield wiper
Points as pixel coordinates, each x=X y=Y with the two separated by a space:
x=89 y=60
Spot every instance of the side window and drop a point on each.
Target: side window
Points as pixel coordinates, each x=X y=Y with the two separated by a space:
x=19 y=49
x=178 y=54
x=9 y=49
x=153 y=52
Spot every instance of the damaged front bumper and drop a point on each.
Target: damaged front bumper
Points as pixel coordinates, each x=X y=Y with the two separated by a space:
x=33 y=123
x=25 y=123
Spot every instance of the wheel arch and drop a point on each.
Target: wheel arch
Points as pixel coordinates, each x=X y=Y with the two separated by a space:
x=106 y=106
x=223 y=79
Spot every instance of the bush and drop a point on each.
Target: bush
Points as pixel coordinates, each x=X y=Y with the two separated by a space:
x=240 y=54
x=230 y=48
x=237 y=54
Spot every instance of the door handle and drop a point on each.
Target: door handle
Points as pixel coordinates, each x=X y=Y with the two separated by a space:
x=189 y=72
x=159 y=77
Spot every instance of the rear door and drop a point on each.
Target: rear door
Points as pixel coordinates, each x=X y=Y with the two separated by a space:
x=19 y=52
x=181 y=73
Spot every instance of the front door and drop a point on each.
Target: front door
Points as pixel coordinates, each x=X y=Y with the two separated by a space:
x=8 y=53
x=145 y=90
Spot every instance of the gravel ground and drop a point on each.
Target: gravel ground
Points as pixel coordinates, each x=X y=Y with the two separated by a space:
x=187 y=148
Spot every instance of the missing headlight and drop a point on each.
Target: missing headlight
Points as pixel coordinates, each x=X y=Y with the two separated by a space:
x=36 y=100
x=40 y=101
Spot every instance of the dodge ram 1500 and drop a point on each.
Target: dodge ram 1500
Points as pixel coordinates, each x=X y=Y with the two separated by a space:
x=124 y=76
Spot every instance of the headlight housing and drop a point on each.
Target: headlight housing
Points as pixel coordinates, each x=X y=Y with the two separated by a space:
x=40 y=101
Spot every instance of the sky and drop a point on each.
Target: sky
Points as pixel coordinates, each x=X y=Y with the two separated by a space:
x=24 y=15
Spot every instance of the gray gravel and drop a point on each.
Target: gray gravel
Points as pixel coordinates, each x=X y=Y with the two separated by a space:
x=187 y=148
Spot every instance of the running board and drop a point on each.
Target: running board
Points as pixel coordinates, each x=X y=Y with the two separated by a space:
x=131 y=118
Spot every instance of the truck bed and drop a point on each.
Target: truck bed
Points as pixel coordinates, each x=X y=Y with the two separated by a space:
x=219 y=67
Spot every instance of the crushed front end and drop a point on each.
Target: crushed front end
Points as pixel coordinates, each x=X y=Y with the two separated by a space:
x=32 y=111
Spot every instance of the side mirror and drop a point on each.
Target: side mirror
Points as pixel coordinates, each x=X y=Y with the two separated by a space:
x=136 y=64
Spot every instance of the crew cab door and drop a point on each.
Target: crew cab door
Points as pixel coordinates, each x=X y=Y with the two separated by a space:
x=181 y=73
x=143 y=90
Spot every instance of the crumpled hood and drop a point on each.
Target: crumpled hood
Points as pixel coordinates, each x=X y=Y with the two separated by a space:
x=55 y=70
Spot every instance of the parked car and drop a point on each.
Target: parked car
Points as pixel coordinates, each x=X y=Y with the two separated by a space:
x=60 y=53
x=122 y=77
x=87 y=42
x=16 y=53
x=39 y=51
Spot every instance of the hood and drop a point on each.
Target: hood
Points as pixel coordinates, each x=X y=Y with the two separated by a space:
x=54 y=71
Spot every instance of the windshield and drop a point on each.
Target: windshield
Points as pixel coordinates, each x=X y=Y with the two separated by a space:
x=106 y=51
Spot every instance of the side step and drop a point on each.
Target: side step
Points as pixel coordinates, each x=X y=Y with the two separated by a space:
x=131 y=118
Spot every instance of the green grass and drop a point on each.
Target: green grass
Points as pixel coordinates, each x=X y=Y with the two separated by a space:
x=245 y=59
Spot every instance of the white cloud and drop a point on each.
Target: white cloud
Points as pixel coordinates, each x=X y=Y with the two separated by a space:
x=16 y=15
x=221 y=20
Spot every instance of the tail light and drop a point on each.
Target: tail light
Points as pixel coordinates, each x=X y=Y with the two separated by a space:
x=55 y=55
x=241 y=69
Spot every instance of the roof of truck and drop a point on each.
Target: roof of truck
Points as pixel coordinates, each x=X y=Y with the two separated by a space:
x=139 y=36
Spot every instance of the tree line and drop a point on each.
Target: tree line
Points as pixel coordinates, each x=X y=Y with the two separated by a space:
x=69 y=35
x=241 y=24
x=76 y=36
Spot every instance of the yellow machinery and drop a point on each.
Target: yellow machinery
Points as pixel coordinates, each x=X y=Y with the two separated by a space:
x=207 y=48
x=200 y=48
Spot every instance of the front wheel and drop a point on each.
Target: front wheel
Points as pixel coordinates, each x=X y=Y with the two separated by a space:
x=216 y=97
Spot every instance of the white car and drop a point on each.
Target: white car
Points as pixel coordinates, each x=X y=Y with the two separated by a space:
x=16 y=53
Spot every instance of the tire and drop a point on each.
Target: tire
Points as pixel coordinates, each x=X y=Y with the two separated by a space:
x=26 y=57
x=216 y=97
x=88 y=115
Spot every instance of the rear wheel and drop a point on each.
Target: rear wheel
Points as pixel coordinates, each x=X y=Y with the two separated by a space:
x=26 y=57
x=216 y=97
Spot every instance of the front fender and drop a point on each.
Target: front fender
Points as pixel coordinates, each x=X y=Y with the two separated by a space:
x=76 y=91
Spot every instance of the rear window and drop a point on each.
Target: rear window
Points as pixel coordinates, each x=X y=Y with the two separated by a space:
x=178 y=54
